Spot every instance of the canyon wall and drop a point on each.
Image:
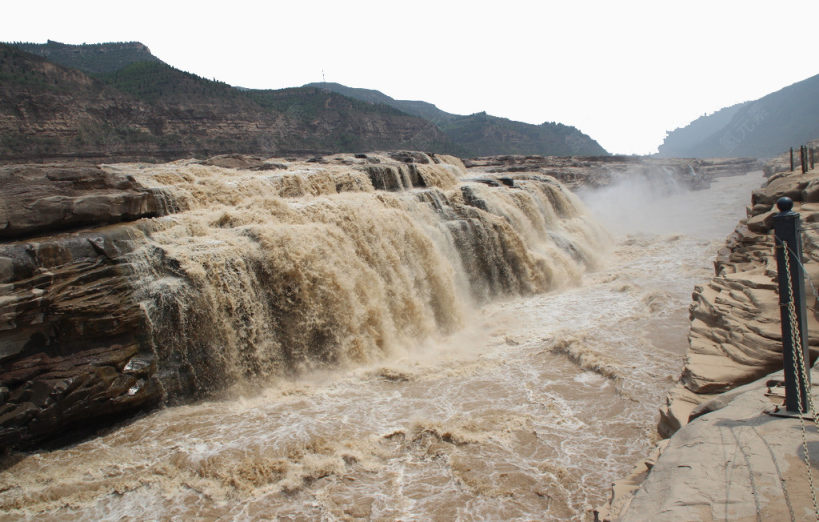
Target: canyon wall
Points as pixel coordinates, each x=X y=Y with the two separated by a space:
x=735 y=335
x=735 y=346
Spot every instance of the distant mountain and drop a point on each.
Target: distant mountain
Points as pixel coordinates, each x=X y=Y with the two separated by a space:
x=760 y=128
x=148 y=109
x=117 y=100
x=680 y=141
x=421 y=109
x=482 y=134
x=485 y=135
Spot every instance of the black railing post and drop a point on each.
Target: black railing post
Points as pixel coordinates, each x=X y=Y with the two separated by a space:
x=797 y=377
x=802 y=158
x=791 y=159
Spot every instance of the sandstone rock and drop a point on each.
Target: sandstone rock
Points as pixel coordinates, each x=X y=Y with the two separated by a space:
x=623 y=490
x=810 y=194
x=790 y=184
x=243 y=162
x=734 y=462
x=735 y=334
x=52 y=393
x=41 y=199
x=71 y=342
x=762 y=223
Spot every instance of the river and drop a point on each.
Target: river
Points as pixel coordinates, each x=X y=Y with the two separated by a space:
x=528 y=409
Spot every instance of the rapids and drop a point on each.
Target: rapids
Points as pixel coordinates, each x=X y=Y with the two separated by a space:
x=436 y=353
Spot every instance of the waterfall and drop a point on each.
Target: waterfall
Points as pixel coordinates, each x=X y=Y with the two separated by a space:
x=271 y=273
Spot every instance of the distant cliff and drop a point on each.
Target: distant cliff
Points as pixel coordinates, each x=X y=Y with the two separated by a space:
x=148 y=109
x=117 y=100
x=482 y=134
x=761 y=128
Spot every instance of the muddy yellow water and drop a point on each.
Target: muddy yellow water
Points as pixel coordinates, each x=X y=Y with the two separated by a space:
x=445 y=398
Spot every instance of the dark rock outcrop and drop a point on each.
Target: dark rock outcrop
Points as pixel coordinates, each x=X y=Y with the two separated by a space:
x=72 y=344
x=71 y=335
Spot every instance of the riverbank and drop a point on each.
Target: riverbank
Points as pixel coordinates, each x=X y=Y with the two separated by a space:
x=726 y=458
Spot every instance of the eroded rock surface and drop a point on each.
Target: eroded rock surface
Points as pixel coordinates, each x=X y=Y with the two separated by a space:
x=108 y=304
x=735 y=335
x=43 y=199
x=735 y=463
x=72 y=344
x=734 y=344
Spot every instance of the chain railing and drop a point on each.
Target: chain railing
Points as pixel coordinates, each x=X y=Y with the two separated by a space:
x=799 y=369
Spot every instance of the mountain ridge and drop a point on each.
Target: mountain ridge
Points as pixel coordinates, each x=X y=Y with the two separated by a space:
x=759 y=128
x=482 y=134
x=150 y=110
x=131 y=103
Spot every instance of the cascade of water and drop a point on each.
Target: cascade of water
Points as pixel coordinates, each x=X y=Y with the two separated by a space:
x=271 y=273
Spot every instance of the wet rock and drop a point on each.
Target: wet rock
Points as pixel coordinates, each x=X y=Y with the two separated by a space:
x=410 y=157
x=49 y=394
x=243 y=162
x=393 y=177
x=42 y=199
x=73 y=346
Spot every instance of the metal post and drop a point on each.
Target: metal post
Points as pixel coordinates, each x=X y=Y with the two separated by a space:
x=812 y=164
x=786 y=231
x=802 y=158
x=791 y=159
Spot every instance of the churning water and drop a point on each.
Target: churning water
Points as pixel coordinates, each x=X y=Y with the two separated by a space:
x=376 y=371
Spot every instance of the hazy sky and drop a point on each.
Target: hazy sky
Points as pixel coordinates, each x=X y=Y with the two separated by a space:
x=622 y=72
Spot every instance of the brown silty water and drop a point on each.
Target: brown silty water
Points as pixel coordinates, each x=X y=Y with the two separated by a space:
x=461 y=351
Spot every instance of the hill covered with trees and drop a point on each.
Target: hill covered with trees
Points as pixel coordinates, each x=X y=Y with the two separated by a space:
x=147 y=109
x=117 y=100
x=482 y=134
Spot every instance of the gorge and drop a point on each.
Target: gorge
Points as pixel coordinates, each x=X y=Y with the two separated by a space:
x=372 y=335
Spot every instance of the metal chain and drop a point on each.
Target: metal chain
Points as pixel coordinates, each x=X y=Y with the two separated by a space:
x=800 y=370
x=800 y=356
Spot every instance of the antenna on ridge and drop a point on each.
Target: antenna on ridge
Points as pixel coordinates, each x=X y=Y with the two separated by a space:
x=322 y=77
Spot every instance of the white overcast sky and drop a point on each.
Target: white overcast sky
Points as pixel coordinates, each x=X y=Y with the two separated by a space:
x=622 y=72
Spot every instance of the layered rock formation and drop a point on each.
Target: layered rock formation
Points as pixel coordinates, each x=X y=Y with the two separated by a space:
x=735 y=335
x=71 y=342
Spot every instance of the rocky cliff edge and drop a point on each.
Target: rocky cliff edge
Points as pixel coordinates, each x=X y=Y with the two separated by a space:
x=726 y=458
